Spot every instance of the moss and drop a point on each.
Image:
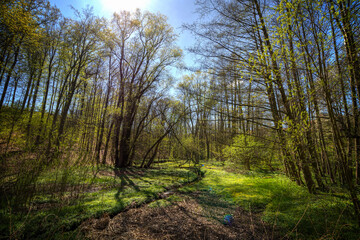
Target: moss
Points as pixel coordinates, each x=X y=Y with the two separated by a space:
x=165 y=202
x=106 y=192
x=281 y=202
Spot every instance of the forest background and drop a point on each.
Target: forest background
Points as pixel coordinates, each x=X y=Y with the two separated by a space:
x=276 y=88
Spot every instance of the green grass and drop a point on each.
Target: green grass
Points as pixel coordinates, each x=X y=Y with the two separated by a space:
x=110 y=194
x=282 y=203
x=165 y=202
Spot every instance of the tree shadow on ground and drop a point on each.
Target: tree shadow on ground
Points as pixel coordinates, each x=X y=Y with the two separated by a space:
x=216 y=207
x=124 y=182
x=187 y=219
x=138 y=175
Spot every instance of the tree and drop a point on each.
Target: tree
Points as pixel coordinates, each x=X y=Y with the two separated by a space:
x=79 y=50
x=280 y=48
x=144 y=49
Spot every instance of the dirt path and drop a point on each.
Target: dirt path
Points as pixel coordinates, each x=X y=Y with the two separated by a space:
x=198 y=215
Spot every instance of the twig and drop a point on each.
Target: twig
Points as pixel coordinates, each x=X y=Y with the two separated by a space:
x=273 y=228
x=251 y=221
x=337 y=222
x=297 y=222
x=22 y=225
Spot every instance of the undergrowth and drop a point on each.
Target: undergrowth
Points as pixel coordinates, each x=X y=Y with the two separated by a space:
x=282 y=203
x=90 y=192
x=52 y=215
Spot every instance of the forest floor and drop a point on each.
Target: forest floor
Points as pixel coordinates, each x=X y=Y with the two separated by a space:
x=170 y=202
x=196 y=215
x=260 y=205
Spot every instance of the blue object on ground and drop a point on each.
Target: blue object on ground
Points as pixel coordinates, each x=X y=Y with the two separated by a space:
x=228 y=219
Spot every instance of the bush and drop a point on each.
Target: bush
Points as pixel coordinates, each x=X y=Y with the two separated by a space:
x=245 y=150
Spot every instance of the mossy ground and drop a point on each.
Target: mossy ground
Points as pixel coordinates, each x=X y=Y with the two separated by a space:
x=282 y=203
x=87 y=195
x=288 y=208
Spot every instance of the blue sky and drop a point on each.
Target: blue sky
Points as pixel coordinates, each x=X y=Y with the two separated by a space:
x=177 y=11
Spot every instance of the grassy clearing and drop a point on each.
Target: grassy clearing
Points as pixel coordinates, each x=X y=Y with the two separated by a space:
x=76 y=194
x=282 y=203
x=86 y=196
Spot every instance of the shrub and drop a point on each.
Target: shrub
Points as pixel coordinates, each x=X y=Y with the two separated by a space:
x=245 y=150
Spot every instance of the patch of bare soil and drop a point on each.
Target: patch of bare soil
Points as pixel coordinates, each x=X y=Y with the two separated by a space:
x=190 y=218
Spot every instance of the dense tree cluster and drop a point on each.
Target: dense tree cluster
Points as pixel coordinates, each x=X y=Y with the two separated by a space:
x=85 y=81
x=287 y=73
x=278 y=88
x=81 y=92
